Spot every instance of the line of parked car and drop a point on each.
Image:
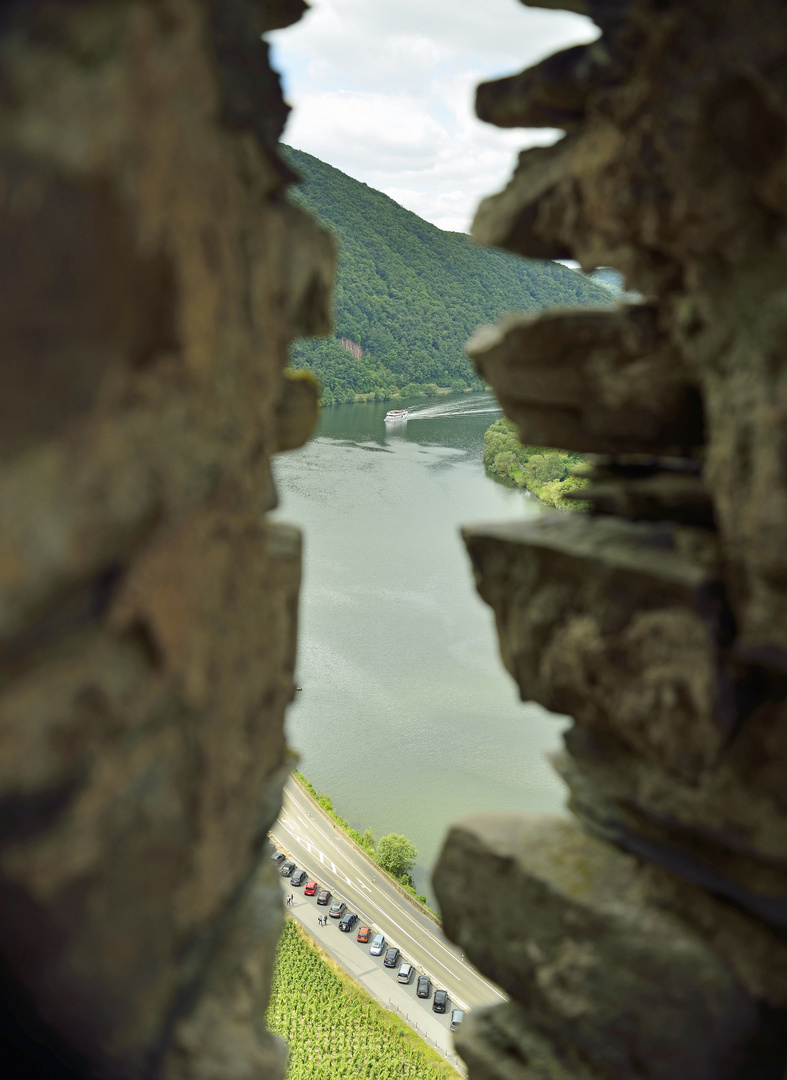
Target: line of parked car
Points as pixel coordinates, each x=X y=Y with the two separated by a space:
x=348 y=919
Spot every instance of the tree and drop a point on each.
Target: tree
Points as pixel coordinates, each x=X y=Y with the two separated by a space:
x=396 y=854
x=504 y=463
x=368 y=841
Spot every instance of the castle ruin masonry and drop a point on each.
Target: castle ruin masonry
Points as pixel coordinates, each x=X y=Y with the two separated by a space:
x=651 y=937
x=152 y=276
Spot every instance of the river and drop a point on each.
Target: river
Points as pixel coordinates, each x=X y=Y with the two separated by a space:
x=407 y=718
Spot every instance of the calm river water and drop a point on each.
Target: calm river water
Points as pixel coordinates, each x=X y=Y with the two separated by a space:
x=407 y=718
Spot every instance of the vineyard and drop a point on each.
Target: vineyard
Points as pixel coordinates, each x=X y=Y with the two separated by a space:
x=334 y=1030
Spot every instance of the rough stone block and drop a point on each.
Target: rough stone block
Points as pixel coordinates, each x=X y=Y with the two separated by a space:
x=621 y=625
x=499 y=1043
x=645 y=488
x=595 y=381
x=152 y=276
x=561 y=922
x=724 y=830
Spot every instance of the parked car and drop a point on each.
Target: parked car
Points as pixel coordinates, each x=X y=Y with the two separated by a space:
x=391 y=958
x=423 y=987
x=440 y=1001
x=338 y=908
x=277 y=855
x=348 y=921
x=298 y=877
x=310 y=888
x=405 y=973
x=363 y=933
x=457 y=1016
x=377 y=945
x=324 y=896
x=287 y=868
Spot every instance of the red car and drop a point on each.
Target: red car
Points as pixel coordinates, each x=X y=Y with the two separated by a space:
x=310 y=888
x=363 y=933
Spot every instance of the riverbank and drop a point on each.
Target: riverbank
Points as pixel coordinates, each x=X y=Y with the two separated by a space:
x=549 y=475
x=398 y=395
x=366 y=843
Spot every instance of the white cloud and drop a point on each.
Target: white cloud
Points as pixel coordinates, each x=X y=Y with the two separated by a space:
x=383 y=90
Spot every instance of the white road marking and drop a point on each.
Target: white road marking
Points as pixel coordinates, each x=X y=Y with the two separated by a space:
x=316 y=826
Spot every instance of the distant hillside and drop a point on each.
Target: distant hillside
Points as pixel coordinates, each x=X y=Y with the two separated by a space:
x=408 y=294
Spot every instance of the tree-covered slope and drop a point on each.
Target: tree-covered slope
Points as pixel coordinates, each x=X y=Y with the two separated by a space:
x=409 y=294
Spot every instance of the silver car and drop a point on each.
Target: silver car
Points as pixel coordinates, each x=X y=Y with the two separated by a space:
x=377 y=945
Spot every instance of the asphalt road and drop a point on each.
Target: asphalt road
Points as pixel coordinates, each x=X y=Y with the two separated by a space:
x=306 y=833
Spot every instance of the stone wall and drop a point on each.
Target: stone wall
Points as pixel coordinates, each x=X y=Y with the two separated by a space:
x=151 y=277
x=646 y=937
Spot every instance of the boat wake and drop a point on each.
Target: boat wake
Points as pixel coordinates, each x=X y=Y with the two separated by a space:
x=438 y=414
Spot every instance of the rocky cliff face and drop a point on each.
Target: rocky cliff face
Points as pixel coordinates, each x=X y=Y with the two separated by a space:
x=151 y=277
x=649 y=939
x=351 y=347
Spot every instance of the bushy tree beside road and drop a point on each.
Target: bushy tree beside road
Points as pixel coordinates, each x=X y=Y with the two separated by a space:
x=396 y=854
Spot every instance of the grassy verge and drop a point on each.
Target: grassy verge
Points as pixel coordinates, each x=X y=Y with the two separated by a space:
x=364 y=839
x=333 y=1028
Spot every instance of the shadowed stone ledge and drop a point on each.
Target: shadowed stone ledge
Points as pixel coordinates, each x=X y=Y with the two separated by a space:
x=619 y=624
x=562 y=923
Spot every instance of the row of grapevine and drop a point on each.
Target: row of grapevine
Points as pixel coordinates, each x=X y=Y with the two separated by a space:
x=334 y=1030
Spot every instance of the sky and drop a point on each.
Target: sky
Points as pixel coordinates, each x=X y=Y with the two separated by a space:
x=384 y=89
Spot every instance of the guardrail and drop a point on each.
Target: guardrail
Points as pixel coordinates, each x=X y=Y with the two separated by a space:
x=453 y=1060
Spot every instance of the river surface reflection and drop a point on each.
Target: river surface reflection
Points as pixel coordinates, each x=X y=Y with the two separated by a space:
x=407 y=718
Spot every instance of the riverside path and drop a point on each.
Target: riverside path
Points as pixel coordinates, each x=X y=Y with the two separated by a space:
x=308 y=835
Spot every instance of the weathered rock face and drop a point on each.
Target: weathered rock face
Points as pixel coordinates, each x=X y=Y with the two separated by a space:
x=659 y=623
x=151 y=278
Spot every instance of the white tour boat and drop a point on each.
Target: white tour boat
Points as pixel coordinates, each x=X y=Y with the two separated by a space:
x=396 y=414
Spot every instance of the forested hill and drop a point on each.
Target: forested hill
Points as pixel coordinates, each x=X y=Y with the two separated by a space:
x=408 y=294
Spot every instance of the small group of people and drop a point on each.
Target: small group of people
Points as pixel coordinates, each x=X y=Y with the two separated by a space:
x=322 y=920
x=290 y=900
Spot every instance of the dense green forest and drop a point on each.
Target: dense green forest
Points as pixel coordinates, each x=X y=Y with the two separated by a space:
x=547 y=473
x=410 y=295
